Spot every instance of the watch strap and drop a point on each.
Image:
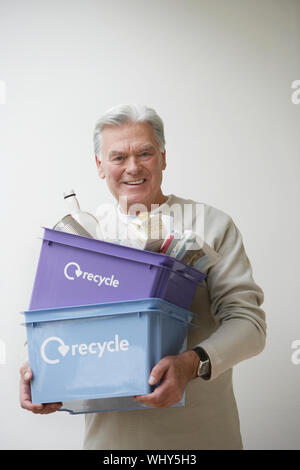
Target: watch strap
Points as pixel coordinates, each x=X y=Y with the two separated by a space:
x=204 y=367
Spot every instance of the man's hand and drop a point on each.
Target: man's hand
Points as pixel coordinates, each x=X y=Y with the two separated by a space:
x=174 y=372
x=25 y=394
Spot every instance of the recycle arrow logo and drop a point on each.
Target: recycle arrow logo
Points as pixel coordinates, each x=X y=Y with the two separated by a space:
x=63 y=349
x=78 y=272
x=69 y=273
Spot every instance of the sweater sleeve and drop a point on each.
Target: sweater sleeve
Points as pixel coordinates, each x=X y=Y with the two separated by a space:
x=235 y=300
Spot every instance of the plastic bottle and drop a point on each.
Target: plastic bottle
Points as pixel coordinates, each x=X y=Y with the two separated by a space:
x=85 y=219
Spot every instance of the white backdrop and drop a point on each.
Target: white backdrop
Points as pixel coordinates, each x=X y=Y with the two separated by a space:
x=220 y=74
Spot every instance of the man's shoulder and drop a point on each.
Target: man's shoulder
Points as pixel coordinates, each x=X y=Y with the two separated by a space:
x=212 y=213
x=216 y=222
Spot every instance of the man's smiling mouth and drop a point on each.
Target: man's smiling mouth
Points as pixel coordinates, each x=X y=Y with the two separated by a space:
x=135 y=182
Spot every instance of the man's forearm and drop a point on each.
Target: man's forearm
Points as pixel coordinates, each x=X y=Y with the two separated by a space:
x=235 y=340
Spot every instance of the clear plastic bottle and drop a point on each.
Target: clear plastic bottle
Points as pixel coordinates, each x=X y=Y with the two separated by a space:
x=85 y=219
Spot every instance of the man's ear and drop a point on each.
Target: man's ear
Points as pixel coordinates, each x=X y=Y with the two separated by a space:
x=100 y=168
x=164 y=162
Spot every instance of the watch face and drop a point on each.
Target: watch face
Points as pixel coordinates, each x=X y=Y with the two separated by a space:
x=203 y=368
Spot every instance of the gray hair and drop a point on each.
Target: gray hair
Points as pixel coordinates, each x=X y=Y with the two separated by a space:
x=125 y=113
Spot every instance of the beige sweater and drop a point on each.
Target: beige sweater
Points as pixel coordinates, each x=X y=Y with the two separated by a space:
x=232 y=329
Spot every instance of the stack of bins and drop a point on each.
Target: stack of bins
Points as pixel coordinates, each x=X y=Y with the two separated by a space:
x=101 y=316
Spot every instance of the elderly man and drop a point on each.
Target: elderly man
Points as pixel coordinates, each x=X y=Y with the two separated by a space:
x=130 y=154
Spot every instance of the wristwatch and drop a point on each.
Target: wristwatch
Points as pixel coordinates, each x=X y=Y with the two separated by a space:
x=204 y=367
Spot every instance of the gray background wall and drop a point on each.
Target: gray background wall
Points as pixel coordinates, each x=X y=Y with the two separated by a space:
x=220 y=74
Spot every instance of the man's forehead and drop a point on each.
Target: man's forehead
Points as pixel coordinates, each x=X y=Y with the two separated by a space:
x=134 y=136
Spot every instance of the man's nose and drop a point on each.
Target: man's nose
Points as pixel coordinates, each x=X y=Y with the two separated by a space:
x=133 y=166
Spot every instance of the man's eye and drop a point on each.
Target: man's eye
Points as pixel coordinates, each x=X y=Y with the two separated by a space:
x=145 y=154
x=119 y=158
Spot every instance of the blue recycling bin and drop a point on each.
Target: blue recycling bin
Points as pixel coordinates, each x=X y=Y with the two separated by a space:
x=98 y=356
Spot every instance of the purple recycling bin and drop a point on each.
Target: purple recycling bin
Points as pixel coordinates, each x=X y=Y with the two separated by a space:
x=75 y=270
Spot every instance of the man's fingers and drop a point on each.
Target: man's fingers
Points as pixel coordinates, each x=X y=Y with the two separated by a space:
x=25 y=398
x=51 y=408
x=27 y=376
x=25 y=373
x=156 y=401
x=156 y=398
x=34 y=407
x=169 y=391
x=25 y=394
x=158 y=371
x=39 y=408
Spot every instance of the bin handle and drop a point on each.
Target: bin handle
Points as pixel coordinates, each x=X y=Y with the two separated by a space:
x=180 y=272
x=176 y=317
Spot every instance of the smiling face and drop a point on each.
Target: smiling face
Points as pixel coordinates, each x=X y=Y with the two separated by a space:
x=132 y=164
